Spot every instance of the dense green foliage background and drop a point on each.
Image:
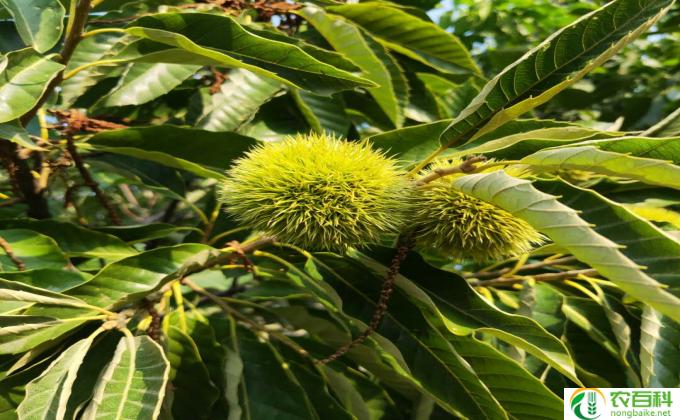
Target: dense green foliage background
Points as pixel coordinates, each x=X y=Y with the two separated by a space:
x=127 y=292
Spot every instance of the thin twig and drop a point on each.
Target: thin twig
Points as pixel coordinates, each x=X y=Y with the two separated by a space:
x=22 y=181
x=468 y=166
x=17 y=167
x=499 y=273
x=228 y=255
x=73 y=121
x=539 y=277
x=381 y=306
x=211 y=223
x=10 y=254
x=154 y=330
x=90 y=182
x=236 y=314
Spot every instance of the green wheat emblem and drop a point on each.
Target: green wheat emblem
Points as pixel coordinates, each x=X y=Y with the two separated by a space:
x=584 y=406
x=592 y=403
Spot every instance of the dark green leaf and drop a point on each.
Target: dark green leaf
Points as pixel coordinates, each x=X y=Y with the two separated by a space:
x=557 y=63
x=74 y=240
x=407 y=34
x=183 y=38
x=239 y=98
x=359 y=47
x=36 y=251
x=570 y=231
x=659 y=350
x=23 y=82
x=194 y=393
x=464 y=311
x=132 y=278
x=39 y=22
x=144 y=82
x=181 y=148
x=133 y=383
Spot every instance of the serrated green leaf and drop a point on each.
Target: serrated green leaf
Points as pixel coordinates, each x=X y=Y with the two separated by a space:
x=364 y=398
x=426 y=355
x=645 y=244
x=74 y=240
x=239 y=98
x=590 y=317
x=176 y=147
x=39 y=22
x=669 y=126
x=323 y=114
x=21 y=292
x=267 y=388
x=520 y=393
x=313 y=382
x=12 y=390
x=47 y=395
x=463 y=311
x=597 y=367
x=228 y=43
x=654 y=148
x=410 y=143
x=333 y=58
x=141 y=233
x=133 y=383
x=545 y=306
x=590 y=158
x=194 y=393
x=25 y=332
x=89 y=50
x=519 y=145
x=14 y=132
x=53 y=280
x=35 y=250
x=379 y=356
x=210 y=350
x=24 y=81
x=144 y=82
x=659 y=342
x=564 y=226
x=130 y=279
x=451 y=97
x=555 y=64
x=375 y=63
x=409 y=35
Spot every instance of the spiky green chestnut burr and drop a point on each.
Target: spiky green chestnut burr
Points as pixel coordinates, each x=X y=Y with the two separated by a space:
x=317 y=192
x=463 y=226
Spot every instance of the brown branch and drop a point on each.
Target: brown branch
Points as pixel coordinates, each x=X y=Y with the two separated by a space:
x=527 y=267
x=539 y=277
x=17 y=167
x=22 y=180
x=154 y=330
x=73 y=122
x=90 y=182
x=381 y=306
x=218 y=79
x=241 y=253
x=10 y=254
x=467 y=166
